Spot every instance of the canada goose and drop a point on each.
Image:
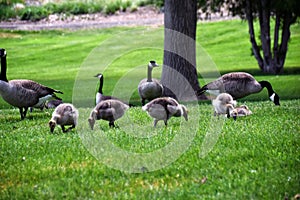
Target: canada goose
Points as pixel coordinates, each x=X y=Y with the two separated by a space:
x=240 y=111
x=109 y=110
x=222 y=102
x=240 y=84
x=150 y=88
x=23 y=93
x=65 y=114
x=99 y=95
x=164 y=108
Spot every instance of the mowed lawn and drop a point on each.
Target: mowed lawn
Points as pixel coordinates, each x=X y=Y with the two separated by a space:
x=256 y=157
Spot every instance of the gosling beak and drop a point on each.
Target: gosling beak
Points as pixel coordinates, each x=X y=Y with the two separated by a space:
x=234 y=117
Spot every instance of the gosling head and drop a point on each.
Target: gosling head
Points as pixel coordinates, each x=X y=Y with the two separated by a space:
x=2 y=52
x=152 y=64
x=231 y=112
x=184 y=112
x=52 y=125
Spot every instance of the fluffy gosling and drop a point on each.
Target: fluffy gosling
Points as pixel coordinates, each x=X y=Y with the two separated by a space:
x=64 y=114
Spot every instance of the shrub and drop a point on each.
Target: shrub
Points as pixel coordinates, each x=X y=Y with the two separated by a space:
x=33 y=13
x=6 y=12
x=115 y=6
x=158 y=3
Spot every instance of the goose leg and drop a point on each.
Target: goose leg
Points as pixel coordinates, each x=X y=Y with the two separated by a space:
x=23 y=113
x=70 y=128
x=63 y=128
x=111 y=124
x=155 y=122
x=166 y=122
x=143 y=102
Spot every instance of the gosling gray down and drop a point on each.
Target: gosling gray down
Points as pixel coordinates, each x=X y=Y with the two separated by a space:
x=164 y=108
x=23 y=93
x=239 y=85
x=150 y=88
x=221 y=103
x=240 y=111
x=64 y=114
x=109 y=110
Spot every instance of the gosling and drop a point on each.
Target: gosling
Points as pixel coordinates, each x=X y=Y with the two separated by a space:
x=109 y=110
x=240 y=111
x=164 y=108
x=64 y=114
x=221 y=103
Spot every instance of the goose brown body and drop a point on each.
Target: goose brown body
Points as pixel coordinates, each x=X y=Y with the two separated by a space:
x=239 y=85
x=23 y=93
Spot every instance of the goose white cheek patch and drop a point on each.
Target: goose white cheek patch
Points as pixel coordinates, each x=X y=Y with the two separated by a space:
x=272 y=97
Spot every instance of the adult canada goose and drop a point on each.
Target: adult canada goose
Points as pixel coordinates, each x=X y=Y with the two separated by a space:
x=65 y=114
x=164 y=108
x=23 y=93
x=99 y=95
x=240 y=111
x=150 y=88
x=240 y=84
x=222 y=102
x=109 y=110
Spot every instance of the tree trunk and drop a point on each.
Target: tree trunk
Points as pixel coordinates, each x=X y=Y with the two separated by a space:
x=255 y=48
x=264 y=22
x=285 y=37
x=179 y=74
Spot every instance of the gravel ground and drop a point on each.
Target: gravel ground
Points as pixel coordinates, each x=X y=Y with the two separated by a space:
x=144 y=16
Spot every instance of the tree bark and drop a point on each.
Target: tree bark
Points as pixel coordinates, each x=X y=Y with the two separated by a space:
x=179 y=74
x=264 y=22
x=285 y=36
x=255 y=48
x=276 y=39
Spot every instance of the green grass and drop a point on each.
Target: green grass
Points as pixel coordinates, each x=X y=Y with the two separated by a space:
x=255 y=157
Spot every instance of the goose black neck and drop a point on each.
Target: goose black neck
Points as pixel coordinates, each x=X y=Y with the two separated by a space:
x=3 y=69
x=267 y=85
x=149 y=77
x=100 y=85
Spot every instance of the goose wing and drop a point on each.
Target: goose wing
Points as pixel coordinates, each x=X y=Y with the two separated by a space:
x=17 y=96
x=40 y=89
